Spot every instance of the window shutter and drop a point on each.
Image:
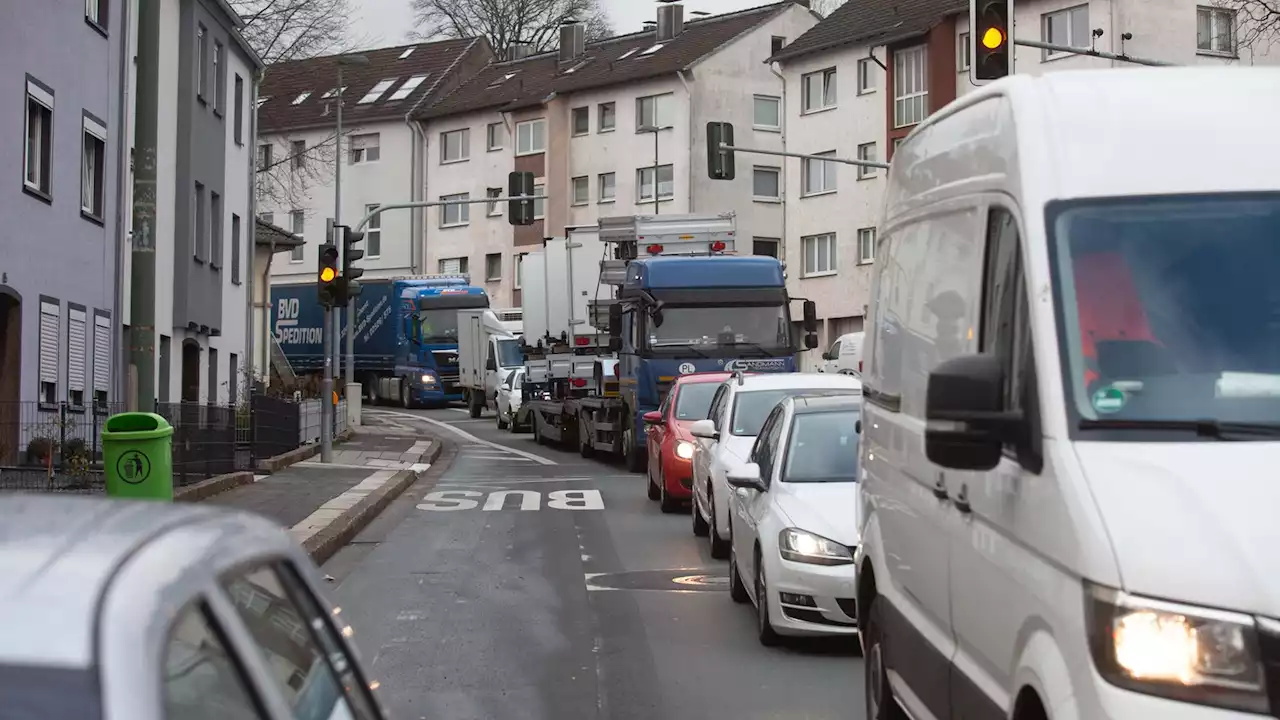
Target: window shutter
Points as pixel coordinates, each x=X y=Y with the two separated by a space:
x=101 y=352
x=76 y=350
x=49 y=342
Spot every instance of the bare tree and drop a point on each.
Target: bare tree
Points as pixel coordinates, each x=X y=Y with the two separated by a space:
x=284 y=30
x=504 y=22
x=1257 y=24
x=826 y=7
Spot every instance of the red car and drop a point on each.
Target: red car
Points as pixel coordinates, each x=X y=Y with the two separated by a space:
x=668 y=442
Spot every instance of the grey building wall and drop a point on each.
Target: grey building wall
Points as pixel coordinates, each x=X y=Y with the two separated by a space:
x=47 y=248
x=202 y=142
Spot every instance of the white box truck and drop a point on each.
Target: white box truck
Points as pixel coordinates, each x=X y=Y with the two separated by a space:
x=488 y=349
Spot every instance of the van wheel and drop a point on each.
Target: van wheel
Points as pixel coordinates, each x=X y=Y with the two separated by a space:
x=880 y=704
x=475 y=403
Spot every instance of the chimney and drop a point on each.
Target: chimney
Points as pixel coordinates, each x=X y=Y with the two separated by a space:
x=573 y=41
x=518 y=51
x=670 y=21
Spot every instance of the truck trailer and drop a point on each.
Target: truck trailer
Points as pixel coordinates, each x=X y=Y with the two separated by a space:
x=614 y=312
x=488 y=350
x=406 y=343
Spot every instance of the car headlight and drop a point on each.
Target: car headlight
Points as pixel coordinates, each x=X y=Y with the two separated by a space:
x=1181 y=652
x=804 y=547
x=684 y=450
x=428 y=380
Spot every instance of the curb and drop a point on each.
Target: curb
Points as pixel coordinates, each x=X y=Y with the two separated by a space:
x=297 y=455
x=325 y=543
x=206 y=489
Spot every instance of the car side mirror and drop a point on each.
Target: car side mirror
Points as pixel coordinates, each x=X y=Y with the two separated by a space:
x=857 y=427
x=615 y=344
x=810 y=316
x=967 y=394
x=746 y=477
x=811 y=341
x=491 y=364
x=704 y=429
x=653 y=417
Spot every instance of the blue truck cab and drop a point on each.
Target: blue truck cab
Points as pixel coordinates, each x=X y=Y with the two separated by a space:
x=428 y=364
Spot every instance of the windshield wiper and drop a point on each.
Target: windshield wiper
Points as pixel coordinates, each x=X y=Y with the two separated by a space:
x=1203 y=428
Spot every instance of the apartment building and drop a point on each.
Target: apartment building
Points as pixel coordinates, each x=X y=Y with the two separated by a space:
x=859 y=81
x=614 y=127
x=61 y=68
x=203 y=230
x=381 y=149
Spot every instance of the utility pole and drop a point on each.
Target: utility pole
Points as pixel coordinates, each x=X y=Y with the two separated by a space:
x=343 y=61
x=142 y=276
x=327 y=407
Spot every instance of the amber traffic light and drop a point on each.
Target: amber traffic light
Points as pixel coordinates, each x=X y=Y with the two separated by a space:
x=993 y=52
x=327 y=273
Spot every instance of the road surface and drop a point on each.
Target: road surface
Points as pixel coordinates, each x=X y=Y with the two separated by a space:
x=570 y=597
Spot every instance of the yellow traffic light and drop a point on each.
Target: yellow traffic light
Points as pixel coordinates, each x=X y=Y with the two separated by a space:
x=992 y=38
x=328 y=274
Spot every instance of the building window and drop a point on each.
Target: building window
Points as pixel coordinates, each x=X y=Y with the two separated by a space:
x=102 y=358
x=38 y=151
x=219 y=84
x=765 y=246
x=608 y=188
x=213 y=376
x=531 y=137
x=77 y=355
x=233 y=375
x=608 y=117
x=767 y=113
x=776 y=43
x=493 y=208
x=50 y=352
x=453 y=266
x=376 y=91
x=581 y=120
x=298 y=154
x=964 y=51
x=580 y=190
x=866 y=76
x=200 y=59
x=1216 y=31
x=200 y=220
x=818 y=90
x=666 y=183
x=455 y=215
x=819 y=175
x=267 y=217
x=92 y=178
x=493 y=267
x=539 y=206
x=766 y=183
x=866 y=152
x=453 y=145
x=910 y=86
x=95 y=11
x=365 y=148
x=239 y=110
x=1069 y=28
x=866 y=245
x=819 y=254
x=655 y=111
x=264 y=156
x=495 y=136
x=298 y=222
x=518 y=270
x=373 y=233
x=235 y=248
x=215 y=230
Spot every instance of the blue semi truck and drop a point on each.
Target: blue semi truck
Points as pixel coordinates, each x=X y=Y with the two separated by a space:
x=406 y=344
x=615 y=312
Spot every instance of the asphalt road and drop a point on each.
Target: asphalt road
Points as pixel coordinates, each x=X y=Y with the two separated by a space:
x=512 y=613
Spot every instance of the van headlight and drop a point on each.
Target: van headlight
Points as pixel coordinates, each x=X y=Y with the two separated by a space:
x=802 y=546
x=684 y=450
x=1181 y=652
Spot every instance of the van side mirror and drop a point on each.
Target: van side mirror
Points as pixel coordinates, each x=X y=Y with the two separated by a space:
x=811 y=341
x=967 y=394
x=810 y=316
x=615 y=320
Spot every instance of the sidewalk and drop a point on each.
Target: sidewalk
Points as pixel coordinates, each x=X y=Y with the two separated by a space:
x=324 y=505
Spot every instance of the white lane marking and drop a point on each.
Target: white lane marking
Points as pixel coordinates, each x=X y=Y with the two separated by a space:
x=454 y=500
x=499 y=483
x=461 y=410
x=332 y=510
x=472 y=438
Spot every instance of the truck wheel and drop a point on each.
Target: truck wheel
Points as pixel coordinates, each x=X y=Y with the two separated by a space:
x=406 y=398
x=475 y=403
x=635 y=457
x=585 y=448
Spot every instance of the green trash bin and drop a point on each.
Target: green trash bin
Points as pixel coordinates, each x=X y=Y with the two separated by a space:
x=137 y=456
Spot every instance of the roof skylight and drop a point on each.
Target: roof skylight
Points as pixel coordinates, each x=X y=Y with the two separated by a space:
x=408 y=87
x=652 y=50
x=332 y=92
x=302 y=97
x=407 y=52
x=628 y=53
x=501 y=80
x=376 y=91
x=262 y=99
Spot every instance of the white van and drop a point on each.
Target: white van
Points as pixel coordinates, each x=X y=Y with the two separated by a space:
x=1071 y=425
x=844 y=356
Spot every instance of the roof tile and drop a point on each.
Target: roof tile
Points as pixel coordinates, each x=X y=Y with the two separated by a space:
x=871 y=21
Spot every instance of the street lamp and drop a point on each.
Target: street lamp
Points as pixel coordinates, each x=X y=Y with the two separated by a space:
x=655 y=130
x=343 y=61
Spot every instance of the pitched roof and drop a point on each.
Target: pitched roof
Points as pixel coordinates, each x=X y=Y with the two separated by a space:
x=300 y=93
x=268 y=235
x=871 y=21
x=524 y=83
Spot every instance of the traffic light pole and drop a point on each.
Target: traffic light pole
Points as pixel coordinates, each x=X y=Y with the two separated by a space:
x=823 y=158
x=1092 y=53
x=437 y=203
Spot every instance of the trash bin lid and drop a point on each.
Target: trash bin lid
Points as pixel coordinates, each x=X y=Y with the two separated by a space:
x=136 y=426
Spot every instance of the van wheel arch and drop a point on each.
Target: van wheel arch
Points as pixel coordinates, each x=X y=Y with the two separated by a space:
x=1029 y=706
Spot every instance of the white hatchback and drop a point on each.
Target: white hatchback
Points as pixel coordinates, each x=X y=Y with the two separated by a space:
x=724 y=439
x=794 y=520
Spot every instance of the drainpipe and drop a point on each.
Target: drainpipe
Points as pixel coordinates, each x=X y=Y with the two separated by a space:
x=250 y=289
x=782 y=180
x=119 y=378
x=688 y=92
x=417 y=182
x=265 y=309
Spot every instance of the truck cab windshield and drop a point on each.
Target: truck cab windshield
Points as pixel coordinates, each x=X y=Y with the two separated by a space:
x=723 y=329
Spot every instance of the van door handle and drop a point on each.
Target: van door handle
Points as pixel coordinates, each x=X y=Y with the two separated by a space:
x=962 y=500
x=940 y=489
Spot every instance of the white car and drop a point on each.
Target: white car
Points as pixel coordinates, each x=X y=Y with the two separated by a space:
x=509 y=396
x=725 y=438
x=793 y=520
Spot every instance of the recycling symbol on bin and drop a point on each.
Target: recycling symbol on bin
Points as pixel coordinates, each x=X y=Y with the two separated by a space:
x=134 y=467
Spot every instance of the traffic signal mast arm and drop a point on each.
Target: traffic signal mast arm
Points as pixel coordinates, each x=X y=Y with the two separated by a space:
x=823 y=158
x=1092 y=53
x=437 y=203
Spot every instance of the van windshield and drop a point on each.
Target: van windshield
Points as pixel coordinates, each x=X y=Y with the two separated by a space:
x=1170 y=307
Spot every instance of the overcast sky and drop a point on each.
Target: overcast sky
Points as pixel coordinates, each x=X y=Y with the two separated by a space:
x=386 y=22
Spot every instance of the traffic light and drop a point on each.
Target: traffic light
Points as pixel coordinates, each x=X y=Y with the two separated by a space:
x=991 y=38
x=327 y=275
x=720 y=161
x=520 y=212
x=350 y=273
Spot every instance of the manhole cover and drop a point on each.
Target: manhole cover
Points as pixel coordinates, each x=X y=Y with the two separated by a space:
x=680 y=580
